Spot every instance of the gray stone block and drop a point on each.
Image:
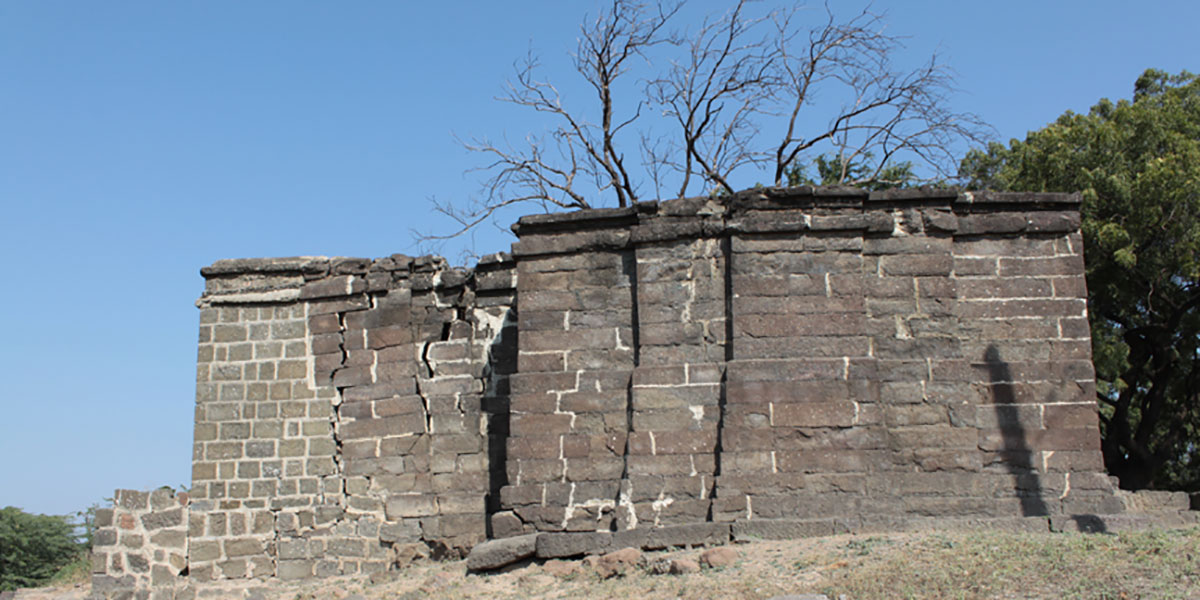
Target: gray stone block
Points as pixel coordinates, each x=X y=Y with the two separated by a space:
x=562 y=545
x=498 y=553
x=699 y=534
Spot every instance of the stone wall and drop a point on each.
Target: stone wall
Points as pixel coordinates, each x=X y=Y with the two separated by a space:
x=346 y=410
x=142 y=541
x=777 y=362
x=805 y=355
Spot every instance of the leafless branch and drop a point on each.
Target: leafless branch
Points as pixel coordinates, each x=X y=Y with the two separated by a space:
x=888 y=113
x=829 y=86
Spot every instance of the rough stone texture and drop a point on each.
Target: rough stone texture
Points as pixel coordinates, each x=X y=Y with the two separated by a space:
x=139 y=543
x=494 y=554
x=777 y=363
x=346 y=409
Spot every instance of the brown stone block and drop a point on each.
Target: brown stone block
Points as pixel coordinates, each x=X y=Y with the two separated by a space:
x=539 y=424
x=1009 y=416
x=1006 y=287
x=594 y=469
x=884 y=370
x=1076 y=327
x=398 y=405
x=746 y=440
x=1006 y=309
x=528 y=362
x=1041 y=328
x=600 y=359
x=541 y=383
x=906 y=245
x=970 y=266
x=1070 y=286
x=905 y=415
x=1072 y=461
x=385 y=337
x=1059 y=265
x=1067 y=416
x=925 y=264
x=350 y=376
x=533 y=300
x=785 y=370
x=935 y=459
x=835 y=324
x=830 y=461
x=552 y=340
x=681 y=397
x=814 y=414
x=853 y=438
x=377 y=428
x=760 y=285
x=537 y=403
x=1079 y=439
x=932 y=436
x=328 y=323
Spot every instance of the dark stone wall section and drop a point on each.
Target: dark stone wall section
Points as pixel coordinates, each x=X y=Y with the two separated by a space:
x=774 y=363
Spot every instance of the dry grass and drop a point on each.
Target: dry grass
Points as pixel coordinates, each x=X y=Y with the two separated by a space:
x=1151 y=564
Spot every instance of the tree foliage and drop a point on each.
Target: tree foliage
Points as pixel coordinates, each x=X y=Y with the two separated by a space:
x=1138 y=164
x=33 y=548
x=677 y=110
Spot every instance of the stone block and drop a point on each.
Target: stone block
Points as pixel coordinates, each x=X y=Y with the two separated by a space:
x=498 y=553
x=699 y=534
x=569 y=544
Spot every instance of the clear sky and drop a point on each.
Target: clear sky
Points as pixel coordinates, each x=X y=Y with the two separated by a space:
x=140 y=141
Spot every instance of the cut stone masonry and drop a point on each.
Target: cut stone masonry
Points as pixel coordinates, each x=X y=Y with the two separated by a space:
x=778 y=362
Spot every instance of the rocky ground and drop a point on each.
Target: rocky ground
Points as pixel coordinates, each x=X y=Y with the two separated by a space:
x=1149 y=564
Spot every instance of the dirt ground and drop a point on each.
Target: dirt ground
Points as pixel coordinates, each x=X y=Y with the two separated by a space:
x=1151 y=564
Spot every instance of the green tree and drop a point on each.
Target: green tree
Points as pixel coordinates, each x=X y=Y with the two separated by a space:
x=838 y=170
x=33 y=548
x=1137 y=163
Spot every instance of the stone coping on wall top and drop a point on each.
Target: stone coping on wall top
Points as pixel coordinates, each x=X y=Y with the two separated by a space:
x=319 y=266
x=795 y=197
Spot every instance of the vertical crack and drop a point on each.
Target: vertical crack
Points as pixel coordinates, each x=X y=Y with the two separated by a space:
x=722 y=393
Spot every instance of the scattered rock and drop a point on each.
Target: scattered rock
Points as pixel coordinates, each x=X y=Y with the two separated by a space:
x=405 y=554
x=561 y=568
x=723 y=556
x=661 y=566
x=382 y=577
x=494 y=554
x=616 y=563
x=801 y=597
x=437 y=582
x=684 y=566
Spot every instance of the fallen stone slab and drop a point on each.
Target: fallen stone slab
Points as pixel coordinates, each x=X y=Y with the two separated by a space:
x=700 y=534
x=494 y=554
x=572 y=543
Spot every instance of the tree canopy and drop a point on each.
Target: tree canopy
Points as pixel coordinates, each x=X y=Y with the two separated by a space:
x=34 y=548
x=1137 y=163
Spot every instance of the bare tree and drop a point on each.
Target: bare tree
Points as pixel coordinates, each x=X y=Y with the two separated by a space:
x=727 y=77
x=700 y=120
x=887 y=113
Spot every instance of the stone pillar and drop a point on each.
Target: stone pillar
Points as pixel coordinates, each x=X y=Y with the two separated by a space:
x=568 y=450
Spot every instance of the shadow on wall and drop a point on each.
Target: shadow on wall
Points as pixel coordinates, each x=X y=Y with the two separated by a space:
x=1018 y=456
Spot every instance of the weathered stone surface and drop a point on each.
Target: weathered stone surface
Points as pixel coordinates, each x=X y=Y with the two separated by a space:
x=494 y=554
x=783 y=362
x=569 y=544
x=683 y=566
x=716 y=558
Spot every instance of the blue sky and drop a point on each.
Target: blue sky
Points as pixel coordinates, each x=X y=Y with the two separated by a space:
x=140 y=141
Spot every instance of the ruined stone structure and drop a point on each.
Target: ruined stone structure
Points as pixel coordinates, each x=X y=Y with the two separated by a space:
x=780 y=362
